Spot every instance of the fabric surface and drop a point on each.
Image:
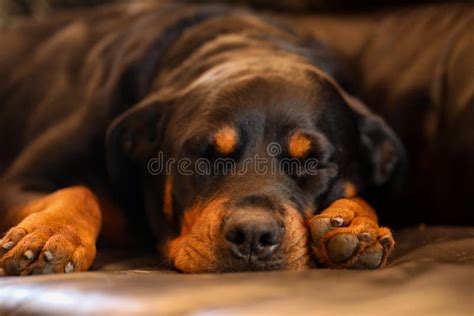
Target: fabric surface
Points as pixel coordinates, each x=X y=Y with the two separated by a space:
x=430 y=273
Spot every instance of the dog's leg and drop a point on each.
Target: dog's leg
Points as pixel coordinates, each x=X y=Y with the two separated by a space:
x=347 y=235
x=52 y=234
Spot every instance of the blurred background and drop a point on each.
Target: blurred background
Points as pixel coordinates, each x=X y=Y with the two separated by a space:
x=39 y=7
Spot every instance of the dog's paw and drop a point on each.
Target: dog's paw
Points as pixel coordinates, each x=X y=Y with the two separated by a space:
x=344 y=237
x=43 y=244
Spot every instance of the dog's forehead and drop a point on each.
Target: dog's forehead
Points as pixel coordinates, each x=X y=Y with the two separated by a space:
x=262 y=104
x=274 y=100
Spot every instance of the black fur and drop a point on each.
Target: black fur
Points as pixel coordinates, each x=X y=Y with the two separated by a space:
x=125 y=87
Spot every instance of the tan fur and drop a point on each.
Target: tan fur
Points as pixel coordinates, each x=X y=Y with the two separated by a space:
x=299 y=145
x=195 y=250
x=295 y=243
x=226 y=139
x=200 y=247
x=358 y=218
x=66 y=223
x=357 y=205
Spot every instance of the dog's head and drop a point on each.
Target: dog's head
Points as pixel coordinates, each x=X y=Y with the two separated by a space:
x=239 y=159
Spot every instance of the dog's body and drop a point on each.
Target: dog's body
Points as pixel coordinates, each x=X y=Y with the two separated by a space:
x=86 y=106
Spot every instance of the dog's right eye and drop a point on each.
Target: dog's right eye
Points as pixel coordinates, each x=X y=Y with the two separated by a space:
x=209 y=162
x=197 y=147
x=295 y=167
x=210 y=152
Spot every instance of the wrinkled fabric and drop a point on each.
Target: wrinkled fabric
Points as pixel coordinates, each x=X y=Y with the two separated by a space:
x=430 y=273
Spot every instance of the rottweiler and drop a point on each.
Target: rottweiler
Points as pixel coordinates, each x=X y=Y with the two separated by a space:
x=221 y=132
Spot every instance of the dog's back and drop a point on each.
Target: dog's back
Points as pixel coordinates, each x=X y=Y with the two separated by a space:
x=412 y=66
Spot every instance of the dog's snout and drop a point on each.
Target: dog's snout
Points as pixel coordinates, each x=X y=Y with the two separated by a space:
x=252 y=234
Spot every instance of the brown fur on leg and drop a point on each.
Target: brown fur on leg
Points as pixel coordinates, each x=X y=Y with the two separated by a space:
x=56 y=234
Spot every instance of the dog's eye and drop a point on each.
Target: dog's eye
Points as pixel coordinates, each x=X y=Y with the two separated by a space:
x=298 y=168
x=199 y=148
x=211 y=162
x=307 y=152
x=305 y=166
x=210 y=152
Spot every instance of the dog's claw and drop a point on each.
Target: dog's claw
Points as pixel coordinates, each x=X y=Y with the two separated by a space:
x=9 y=245
x=337 y=221
x=29 y=255
x=69 y=267
x=48 y=256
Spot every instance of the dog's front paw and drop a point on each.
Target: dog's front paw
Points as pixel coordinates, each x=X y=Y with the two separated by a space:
x=41 y=245
x=59 y=236
x=345 y=235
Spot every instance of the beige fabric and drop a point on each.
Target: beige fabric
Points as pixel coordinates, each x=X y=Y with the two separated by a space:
x=431 y=273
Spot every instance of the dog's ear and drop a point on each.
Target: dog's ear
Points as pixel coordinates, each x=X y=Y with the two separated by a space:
x=380 y=146
x=133 y=138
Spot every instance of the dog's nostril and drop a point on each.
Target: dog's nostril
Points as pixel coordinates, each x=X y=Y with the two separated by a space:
x=255 y=234
x=236 y=236
x=268 y=239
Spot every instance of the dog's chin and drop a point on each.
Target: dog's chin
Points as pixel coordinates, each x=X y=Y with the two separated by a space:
x=240 y=267
x=193 y=259
x=189 y=261
x=202 y=248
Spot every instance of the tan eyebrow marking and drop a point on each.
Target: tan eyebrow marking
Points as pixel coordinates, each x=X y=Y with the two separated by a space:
x=225 y=140
x=299 y=145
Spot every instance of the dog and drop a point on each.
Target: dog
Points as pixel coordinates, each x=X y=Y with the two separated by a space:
x=94 y=106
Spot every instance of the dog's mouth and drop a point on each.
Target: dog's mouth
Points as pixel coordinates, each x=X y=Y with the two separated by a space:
x=216 y=239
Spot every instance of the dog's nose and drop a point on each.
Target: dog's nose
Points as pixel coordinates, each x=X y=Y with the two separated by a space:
x=256 y=234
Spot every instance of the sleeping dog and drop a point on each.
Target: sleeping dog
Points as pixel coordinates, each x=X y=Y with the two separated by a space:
x=223 y=131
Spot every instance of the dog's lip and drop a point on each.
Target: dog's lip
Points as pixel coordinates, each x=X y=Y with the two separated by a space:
x=252 y=258
x=252 y=263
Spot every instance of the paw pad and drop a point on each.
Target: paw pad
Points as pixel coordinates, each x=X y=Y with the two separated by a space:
x=342 y=247
x=349 y=241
